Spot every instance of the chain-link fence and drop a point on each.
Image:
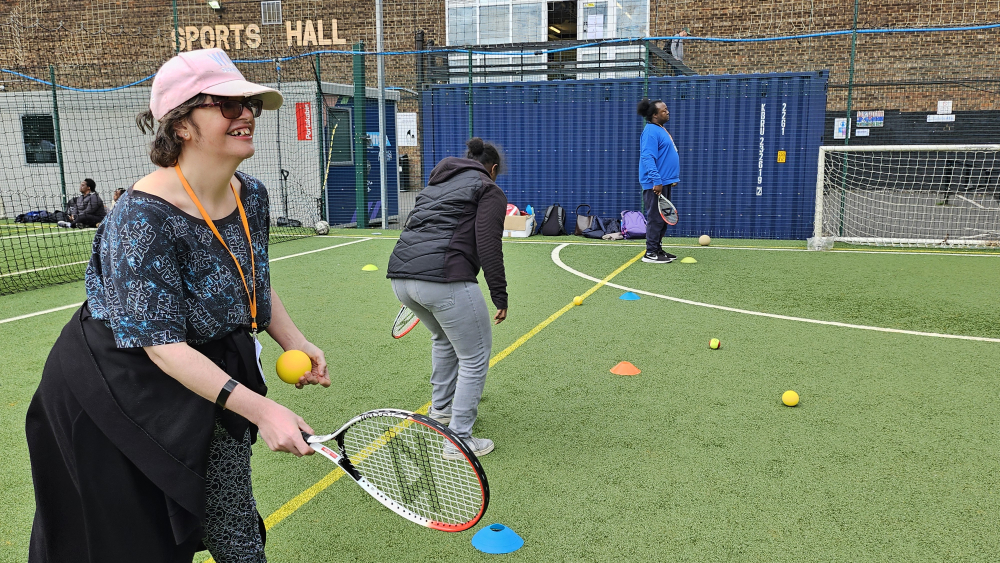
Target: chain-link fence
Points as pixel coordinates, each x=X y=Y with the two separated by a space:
x=73 y=75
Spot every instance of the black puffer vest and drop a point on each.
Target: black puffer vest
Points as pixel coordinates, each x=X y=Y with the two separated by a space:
x=438 y=242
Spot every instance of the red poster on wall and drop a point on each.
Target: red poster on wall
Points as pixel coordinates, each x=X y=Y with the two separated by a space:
x=303 y=118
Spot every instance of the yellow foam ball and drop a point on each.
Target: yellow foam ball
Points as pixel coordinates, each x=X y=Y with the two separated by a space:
x=715 y=344
x=790 y=398
x=704 y=240
x=578 y=300
x=292 y=365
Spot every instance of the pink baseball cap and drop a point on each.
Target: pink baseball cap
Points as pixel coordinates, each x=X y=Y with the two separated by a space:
x=205 y=71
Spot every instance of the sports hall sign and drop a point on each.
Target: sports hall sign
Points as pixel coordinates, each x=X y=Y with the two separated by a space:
x=237 y=36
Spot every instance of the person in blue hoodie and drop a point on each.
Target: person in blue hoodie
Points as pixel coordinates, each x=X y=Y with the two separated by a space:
x=659 y=172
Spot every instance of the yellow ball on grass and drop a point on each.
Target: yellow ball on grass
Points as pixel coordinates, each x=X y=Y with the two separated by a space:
x=704 y=240
x=715 y=344
x=292 y=365
x=578 y=300
x=790 y=398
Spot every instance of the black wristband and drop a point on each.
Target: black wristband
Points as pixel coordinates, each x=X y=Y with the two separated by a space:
x=227 y=389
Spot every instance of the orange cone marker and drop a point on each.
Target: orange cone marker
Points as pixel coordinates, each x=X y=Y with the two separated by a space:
x=625 y=368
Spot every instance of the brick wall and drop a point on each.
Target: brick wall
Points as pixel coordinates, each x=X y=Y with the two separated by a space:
x=101 y=43
x=945 y=58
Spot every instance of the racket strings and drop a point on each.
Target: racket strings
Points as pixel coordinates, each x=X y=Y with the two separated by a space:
x=667 y=210
x=403 y=459
x=405 y=321
x=404 y=469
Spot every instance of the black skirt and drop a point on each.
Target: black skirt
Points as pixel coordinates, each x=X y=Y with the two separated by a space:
x=119 y=448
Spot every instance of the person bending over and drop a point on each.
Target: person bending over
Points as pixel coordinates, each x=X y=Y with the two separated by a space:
x=455 y=227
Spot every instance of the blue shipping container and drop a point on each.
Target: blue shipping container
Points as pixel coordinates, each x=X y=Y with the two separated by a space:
x=748 y=145
x=340 y=185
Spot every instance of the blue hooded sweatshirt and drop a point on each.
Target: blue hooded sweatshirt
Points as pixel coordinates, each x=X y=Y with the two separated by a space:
x=659 y=163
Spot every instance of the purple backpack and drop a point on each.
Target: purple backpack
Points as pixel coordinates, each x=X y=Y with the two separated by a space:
x=633 y=224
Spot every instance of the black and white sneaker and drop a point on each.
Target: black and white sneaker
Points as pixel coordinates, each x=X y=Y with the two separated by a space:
x=655 y=259
x=670 y=257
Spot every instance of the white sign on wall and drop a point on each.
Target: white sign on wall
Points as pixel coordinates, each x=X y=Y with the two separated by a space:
x=933 y=118
x=406 y=129
x=840 y=127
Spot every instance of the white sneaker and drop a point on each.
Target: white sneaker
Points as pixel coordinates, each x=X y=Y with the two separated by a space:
x=443 y=416
x=64 y=224
x=479 y=446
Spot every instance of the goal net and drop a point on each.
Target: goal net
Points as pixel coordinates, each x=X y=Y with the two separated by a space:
x=908 y=195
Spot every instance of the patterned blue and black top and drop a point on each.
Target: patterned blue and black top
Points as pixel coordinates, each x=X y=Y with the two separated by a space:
x=158 y=275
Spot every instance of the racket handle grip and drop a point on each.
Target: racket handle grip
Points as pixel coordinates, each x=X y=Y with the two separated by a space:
x=306 y=436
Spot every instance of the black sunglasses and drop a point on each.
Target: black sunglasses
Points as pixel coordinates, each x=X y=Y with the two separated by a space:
x=232 y=109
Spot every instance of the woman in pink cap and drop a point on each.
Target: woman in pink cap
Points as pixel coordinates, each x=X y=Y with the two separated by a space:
x=140 y=430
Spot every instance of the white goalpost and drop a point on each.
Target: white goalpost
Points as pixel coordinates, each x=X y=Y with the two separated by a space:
x=908 y=195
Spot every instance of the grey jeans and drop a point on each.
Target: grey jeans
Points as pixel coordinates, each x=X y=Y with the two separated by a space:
x=461 y=339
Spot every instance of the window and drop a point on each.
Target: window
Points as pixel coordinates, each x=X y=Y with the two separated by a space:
x=462 y=26
x=494 y=24
x=339 y=123
x=39 y=135
x=631 y=18
x=500 y=22
x=595 y=20
x=529 y=23
x=270 y=13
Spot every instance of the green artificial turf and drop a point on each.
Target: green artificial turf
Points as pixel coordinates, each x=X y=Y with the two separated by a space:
x=889 y=456
x=38 y=254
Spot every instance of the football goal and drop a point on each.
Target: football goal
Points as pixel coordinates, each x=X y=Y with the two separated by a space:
x=908 y=195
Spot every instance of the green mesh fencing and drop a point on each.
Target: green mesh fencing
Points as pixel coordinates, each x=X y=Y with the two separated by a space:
x=73 y=75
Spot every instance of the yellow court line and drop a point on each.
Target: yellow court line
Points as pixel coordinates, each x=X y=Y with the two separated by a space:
x=517 y=343
x=305 y=496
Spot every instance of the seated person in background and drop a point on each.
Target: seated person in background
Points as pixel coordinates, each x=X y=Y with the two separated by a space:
x=114 y=199
x=86 y=210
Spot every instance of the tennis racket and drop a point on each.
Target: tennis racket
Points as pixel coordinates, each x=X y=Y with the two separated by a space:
x=667 y=210
x=397 y=457
x=405 y=321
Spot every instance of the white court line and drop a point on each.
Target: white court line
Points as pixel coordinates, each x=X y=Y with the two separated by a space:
x=29 y=315
x=41 y=269
x=763 y=249
x=318 y=250
x=55 y=232
x=561 y=264
x=727 y=247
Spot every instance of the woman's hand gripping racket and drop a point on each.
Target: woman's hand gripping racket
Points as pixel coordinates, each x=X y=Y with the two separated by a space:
x=667 y=210
x=398 y=458
x=405 y=321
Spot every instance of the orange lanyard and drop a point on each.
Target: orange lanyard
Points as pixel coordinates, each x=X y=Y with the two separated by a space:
x=246 y=228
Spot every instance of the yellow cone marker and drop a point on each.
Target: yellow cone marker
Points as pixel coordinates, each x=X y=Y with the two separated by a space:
x=370 y=268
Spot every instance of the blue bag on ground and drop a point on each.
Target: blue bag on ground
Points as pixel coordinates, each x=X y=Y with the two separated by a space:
x=633 y=224
x=597 y=228
x=37 y=216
